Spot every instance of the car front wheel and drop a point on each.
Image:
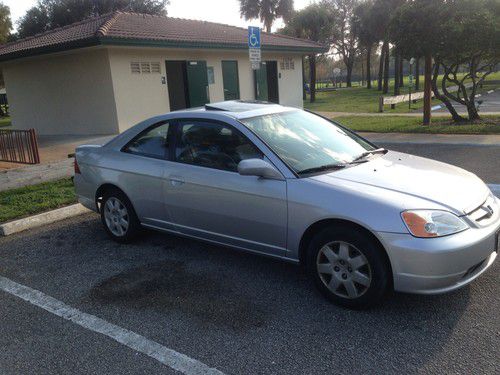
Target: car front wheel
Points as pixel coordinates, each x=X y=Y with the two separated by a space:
x=348 y=267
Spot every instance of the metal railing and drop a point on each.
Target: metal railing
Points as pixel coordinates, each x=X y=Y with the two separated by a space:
x=19 y=146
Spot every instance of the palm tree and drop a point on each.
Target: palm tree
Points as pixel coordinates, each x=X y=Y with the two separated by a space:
x=315 y=24
x=266 y=10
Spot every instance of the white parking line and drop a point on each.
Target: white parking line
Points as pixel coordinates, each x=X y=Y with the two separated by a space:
x=166 y=356
x=495 y=189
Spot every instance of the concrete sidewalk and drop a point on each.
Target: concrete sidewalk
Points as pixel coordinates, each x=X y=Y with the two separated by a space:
x=54 y=148
x=55 y=164
x=445 y=139
x=333 y=115
x=35 y=174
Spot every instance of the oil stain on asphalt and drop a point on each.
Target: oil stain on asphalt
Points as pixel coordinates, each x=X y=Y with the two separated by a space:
x=173 y=286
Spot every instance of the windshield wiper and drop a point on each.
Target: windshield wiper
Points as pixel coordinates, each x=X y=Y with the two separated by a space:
x=321 y=168
x=367 y=153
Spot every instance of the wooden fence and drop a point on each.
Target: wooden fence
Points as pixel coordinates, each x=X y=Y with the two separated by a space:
x=19 y=146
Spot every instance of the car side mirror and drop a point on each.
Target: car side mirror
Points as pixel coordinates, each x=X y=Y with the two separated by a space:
x=259 y=168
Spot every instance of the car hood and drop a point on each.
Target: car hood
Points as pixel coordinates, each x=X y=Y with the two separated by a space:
x=437 y=182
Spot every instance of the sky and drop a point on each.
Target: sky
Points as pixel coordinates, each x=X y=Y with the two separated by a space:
x=222 y=11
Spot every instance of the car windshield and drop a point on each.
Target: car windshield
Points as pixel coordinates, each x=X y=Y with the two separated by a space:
x=306 y=142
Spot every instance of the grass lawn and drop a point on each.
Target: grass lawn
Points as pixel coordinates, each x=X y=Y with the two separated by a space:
x=5 y=121
x=362 y=100
x=402 y=124
x=26 y=201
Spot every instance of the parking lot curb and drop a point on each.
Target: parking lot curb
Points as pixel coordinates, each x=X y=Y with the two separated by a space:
x=42 y=219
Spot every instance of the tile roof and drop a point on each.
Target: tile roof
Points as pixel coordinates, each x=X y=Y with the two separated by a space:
x=142 y=29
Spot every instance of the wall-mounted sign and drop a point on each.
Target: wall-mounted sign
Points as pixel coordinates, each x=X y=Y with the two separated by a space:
x=253 y=37
x=210 y=75
x=254 y=46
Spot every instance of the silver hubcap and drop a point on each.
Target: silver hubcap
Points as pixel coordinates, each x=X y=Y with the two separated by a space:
x=116 y=217
x=344 y=269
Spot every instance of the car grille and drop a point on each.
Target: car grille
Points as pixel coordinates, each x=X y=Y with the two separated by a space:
x=486 y=213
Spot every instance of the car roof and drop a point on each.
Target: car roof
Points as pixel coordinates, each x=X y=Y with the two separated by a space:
x=239 y=109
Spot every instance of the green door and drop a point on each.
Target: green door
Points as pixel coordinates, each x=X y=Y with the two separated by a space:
x=230 y=80
x=197 y=83
x=261 y=91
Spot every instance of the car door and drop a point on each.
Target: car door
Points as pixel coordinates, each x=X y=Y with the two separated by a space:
x=207 y=198
x=141 y=168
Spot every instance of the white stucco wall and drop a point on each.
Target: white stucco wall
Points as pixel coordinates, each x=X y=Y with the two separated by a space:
x=92 y=91
x=62 y=94
x=139 y=96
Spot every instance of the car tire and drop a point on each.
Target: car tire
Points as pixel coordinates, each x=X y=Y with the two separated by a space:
x=118 y=216
x=349 y=267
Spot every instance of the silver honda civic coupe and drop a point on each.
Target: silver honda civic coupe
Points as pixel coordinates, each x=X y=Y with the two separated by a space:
x=290 y=184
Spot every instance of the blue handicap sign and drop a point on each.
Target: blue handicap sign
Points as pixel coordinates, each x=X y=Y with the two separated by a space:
x=253 y=37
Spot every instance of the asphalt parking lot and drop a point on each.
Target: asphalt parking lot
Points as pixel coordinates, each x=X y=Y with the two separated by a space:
x=487 y=102
x=236 y=312
x=484 y=161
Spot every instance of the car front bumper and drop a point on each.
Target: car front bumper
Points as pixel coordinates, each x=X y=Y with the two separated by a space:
x=439 y=265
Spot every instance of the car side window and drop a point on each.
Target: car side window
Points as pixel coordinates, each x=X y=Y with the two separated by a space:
x=151 y=143
x=213 y=145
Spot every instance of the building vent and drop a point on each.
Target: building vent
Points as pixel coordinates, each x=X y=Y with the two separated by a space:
x=145 y=67
x=155 y=67
x=287 y=64
x=135 y=67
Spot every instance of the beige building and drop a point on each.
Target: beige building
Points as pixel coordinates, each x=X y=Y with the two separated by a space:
x=105 y=74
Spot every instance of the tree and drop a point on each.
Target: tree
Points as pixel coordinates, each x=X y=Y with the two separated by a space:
x=343 y=39
x=5 y=23
x=397 y=60
x=266 y=10
x=417 y=73
x=49 y=14
x=36 y=20
x=382 y=11
x=406 y=28
x=458 y=33
x=365 y=27
x=473 y=41
x=311 y=23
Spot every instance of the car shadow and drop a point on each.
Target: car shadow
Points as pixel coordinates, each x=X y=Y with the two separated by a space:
x=229 y=291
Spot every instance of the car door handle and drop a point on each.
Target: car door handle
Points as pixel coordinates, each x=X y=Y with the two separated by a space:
x=176 y=181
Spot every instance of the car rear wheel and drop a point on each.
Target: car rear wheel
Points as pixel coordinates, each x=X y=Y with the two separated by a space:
x=348 y=267
x=118 y=216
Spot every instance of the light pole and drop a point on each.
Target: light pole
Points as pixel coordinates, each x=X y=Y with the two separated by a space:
x=410 y=81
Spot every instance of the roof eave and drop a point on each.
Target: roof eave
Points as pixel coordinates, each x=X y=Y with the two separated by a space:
x=204 y=45
x=45 y=50
x=110 y=41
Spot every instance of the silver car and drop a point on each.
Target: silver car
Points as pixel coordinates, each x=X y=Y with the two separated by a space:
x=290 y=184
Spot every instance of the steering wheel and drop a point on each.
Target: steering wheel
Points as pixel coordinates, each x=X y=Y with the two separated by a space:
x=218 y=160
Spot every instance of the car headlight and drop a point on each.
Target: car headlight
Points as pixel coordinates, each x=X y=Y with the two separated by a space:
x=432 y=223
